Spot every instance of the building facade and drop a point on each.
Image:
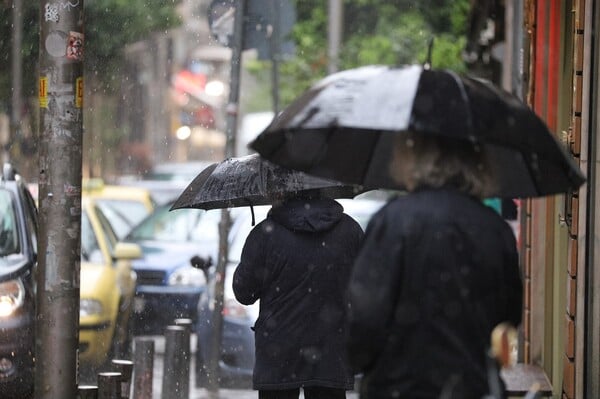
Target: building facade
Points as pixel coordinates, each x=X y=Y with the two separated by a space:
x=552 y=63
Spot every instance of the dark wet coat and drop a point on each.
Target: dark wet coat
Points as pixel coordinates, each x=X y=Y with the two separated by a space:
x=437 y=272
x=297 y=262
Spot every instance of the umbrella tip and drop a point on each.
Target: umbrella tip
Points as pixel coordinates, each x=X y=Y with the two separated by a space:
x=427 y=63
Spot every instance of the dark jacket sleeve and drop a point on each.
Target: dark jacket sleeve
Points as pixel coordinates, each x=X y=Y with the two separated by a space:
x=372 y=293
x=248 y=278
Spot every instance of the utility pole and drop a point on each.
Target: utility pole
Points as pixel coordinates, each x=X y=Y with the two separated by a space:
x=274 y=44
x=60 y=169
x=230 y=130
x=334 y=34
x=17 y=76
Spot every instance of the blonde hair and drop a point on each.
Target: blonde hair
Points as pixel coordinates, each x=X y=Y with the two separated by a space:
x=428 y=161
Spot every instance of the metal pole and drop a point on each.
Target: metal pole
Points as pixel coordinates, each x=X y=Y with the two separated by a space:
x=17 y=76
x=187 y=350
x=219 y=277
x=143 y=368
x=61 y=129
x=275 y=47
x=176 y=384
x=334 y=34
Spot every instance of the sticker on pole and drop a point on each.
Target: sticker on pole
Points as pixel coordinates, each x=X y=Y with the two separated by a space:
x=75 y=46
x=43 y=92
x=79 y=92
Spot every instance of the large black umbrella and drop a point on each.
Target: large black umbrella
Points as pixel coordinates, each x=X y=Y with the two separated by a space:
x=344 y=128
x=251 y=180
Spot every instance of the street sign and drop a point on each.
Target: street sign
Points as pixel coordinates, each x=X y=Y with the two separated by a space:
x=263 y=19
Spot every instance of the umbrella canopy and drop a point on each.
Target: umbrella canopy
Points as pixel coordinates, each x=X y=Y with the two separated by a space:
x=251 y=180
x=344 y=128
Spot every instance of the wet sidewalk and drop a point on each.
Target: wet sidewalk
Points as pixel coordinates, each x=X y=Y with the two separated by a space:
x=199 y=393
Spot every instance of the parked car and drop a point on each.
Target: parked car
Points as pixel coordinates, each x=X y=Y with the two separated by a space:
x=107 y=287
x=18 y=260
x=237 y=342
x=124 y=206
x=168 y=287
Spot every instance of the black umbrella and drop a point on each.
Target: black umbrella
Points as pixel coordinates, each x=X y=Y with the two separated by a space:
x=344 y=128
x=251 y=180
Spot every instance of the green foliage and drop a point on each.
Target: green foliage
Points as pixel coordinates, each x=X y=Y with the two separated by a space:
x=374 y=32
x=112 y=24
x=29 y=49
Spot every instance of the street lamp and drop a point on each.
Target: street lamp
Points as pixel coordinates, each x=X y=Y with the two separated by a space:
x=183 y=132
x=215 y=88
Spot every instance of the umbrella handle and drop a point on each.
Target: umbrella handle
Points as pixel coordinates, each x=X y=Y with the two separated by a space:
x=251 y=210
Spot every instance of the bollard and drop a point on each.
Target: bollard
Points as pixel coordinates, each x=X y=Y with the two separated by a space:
x=175 y=384
x=87 y=392
x=109 y=385
x=125 y=367
x=184 y=323
x=186 y=366
x=143 y=372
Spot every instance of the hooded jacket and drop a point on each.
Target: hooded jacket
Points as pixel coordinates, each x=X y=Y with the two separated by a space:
x=438 y=270
x=297 y=262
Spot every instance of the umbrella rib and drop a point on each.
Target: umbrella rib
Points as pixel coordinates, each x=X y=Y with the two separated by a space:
x=465 y=97
x=366 y=171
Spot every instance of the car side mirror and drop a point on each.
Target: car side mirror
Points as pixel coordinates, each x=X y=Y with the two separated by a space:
x=127 y=251
x=200 y=263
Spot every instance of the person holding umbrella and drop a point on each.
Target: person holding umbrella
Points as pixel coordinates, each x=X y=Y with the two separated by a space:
x=437 y=272
x=297 y=262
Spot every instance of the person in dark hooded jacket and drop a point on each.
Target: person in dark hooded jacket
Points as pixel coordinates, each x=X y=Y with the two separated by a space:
x=438 y=270
x=297 y=263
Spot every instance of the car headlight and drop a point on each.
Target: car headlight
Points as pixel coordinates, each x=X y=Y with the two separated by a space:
x=89 y=307
x=187 y=276
x=12 y=293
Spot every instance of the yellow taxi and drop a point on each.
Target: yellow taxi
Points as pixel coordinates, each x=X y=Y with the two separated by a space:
x=107 y=287
x=124 y=206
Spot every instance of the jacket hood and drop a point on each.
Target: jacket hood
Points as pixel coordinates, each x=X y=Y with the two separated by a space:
x=308 y=215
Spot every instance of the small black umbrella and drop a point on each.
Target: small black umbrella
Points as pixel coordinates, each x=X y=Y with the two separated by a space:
x=344 y=127
x=251 y=180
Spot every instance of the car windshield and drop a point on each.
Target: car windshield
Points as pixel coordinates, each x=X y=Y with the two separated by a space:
x=132 y=211
x=181 y=225
x=90 y=249
x=181 y=172
x=122 y=215
x=9 y=237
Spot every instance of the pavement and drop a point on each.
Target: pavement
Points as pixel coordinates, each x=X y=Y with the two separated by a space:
x=195 y=392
